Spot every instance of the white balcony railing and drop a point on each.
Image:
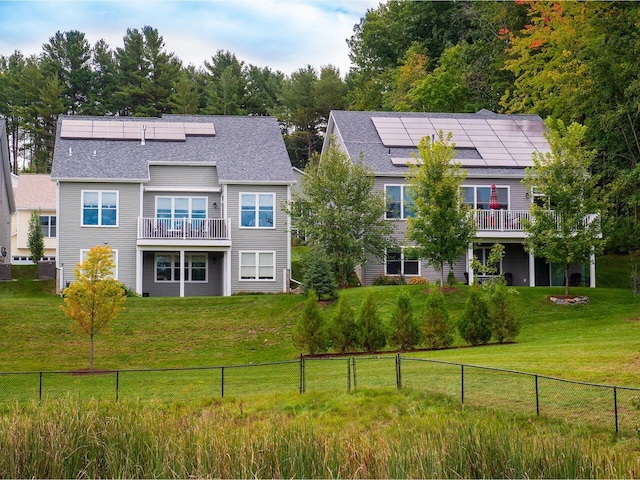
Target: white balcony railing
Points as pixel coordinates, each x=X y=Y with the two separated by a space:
x=501 y=220
x=185 y=228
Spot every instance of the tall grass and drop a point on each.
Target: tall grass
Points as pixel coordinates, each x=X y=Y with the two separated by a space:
x=369 y=434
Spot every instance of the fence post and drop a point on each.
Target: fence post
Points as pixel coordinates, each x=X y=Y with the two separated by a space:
x=615 y=406
x=40 y=388
x=537 y=398
x=348 y=374
x=301 y=373
x=222 y=381
x=355 y=378
x=462 y=383
x=117 y=384
x=398 y=372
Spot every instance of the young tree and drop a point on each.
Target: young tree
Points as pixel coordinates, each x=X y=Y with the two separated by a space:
x=318 y=275
x=505 y=324
x=310 y=332
x=95 y=298
x=35 y=237
x=437 y=328
x=405 y=331
x=340 y=213
x=566 y=229
x=370 y=328
x=442 y=226
x=473 y=325
x=343 y=330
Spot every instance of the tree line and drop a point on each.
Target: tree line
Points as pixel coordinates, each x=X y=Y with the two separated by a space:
x=570 y=61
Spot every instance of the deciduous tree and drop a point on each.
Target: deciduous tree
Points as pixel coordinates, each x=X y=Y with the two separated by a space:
x=35 y=237
x=442 y=226
x=340 y=212
x=95 y=298
x=566 y=229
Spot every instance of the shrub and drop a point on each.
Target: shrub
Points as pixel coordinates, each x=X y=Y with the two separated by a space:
x=418 y=281
x=474 y=325
x=505 y=325
x=389 y=280
x=451 y=278
x=437 y=328
x=371 y=336
x=405 y=330
x=319 y=276
x=310 y=333
x=343 y=332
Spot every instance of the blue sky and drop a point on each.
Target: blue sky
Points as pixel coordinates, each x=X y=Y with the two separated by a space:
x=282 y=34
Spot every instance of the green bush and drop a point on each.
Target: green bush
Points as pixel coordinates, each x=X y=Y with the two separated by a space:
x=310 y=333
x=319 y=276
x=474 y=325
x=405 y=330
x=437 y=326
x=451 y=278
x=505 y=325
x=371 y=336
x=343 y=331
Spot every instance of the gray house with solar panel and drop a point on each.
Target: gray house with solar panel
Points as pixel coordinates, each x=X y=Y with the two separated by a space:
x=494 y=149
x=190 y=205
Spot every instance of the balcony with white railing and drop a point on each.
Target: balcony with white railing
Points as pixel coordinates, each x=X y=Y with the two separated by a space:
x=183 y=229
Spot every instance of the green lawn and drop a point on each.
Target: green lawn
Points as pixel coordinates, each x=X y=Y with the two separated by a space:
x=597 y=342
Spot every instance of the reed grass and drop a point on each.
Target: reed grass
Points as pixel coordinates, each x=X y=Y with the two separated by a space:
x=378 y=433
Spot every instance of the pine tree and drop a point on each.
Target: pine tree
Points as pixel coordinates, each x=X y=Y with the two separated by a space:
x=438 y=328
x=505 y=324
x=371 y=331
x=310 y=333
x=319 y=276
x=405 y=331
x=474 y=325
x=344 y=330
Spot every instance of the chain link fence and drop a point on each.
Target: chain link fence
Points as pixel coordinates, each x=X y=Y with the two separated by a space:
x=612 y=407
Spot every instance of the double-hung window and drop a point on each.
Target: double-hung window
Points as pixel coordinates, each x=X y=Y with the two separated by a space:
x=399 y=202
x=479 y=197
x=402 y=262
x=49 y=225
x=99 y=208
x=257 y=210
x=257 y=265
x=173 y=211
x=85 y=251
x=168 y=267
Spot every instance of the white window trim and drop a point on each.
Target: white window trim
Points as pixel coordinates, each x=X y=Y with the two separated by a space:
x=257 y=253
x=475 y=196
x=257 y=218
x=99 y=192
x=402 y=260
x=49 y=225
x=187 y=258
x=190 y=198
x=83 y=257
x=403 y=187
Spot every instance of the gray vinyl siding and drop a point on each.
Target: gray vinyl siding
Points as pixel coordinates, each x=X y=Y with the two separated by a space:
x=258 y=239
x=188 y=177
x=5 y=219
x=213 y=286
x=73 y=237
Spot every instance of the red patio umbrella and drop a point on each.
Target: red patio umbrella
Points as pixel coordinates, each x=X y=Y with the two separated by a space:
x=493 y=198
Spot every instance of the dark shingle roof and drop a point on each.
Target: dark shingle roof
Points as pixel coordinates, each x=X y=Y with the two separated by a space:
x=244 y=149
x=357 y=131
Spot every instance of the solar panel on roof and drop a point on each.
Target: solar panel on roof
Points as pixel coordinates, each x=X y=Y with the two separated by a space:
x=132 y=130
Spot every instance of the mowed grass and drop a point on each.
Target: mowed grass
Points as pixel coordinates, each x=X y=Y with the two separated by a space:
x=597 y=342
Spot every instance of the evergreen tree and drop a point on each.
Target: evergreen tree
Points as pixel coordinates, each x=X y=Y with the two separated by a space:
x=318 y=275
x=505 y=324
x=310 y=332
x=437 y=327
x=404 y=329
x=35 y=237
x=370 y=328
x=343 y=331
x=474 y=325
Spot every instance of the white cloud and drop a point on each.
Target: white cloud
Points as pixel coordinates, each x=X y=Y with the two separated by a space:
x=284 y=35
